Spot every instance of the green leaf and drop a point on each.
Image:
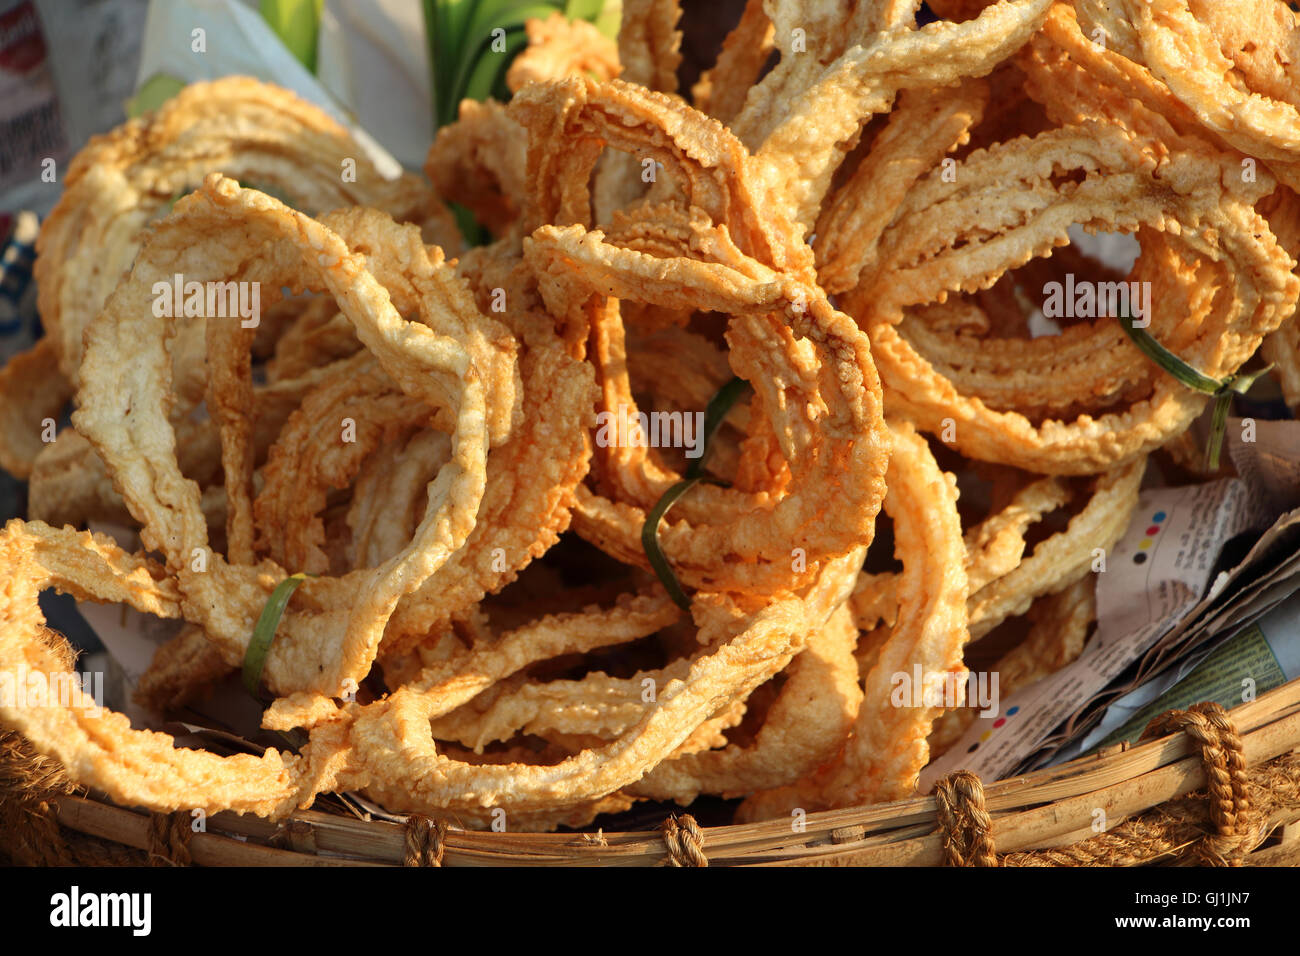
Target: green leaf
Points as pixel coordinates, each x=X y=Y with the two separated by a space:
x=1167 y=360
x=475 y=235
x=264 y=631
x=508 y=16
x=152 y=93
x=1218 y=426
x=491 y=67
x=1222 y=391
x=477 y=43
x=297 y=24
x=583 y=9
x=610 y=19
x=1244 y=381
x=458 y=34
x=715 y=413
x=650 y=541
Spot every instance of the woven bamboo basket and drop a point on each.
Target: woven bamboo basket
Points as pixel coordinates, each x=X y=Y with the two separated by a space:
x=1204 y=787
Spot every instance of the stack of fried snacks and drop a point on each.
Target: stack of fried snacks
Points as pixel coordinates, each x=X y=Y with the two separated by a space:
x=496 y=612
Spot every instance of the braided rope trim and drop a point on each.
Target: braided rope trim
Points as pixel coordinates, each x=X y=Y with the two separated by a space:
x=1217 y=830
x=685 y=841
x=29 y=782
x=1221 y=830
x=169 y=839
x=425 y=841
x=965 y=827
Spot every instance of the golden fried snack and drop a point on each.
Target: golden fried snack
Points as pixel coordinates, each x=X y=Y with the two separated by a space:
x=558 y=46
x=649 y=44
x=417 y=433
x=302 y=468
x=319 y=335
x=468 y=674
x=388 y=496
x=1282 y=348
x=804 y=728
x=884 y=754
x=1064 y=557
x=720 y=258
x=925 y=125
x=396 y=761
x=1003 y=579
x=32 y=397
x=1229 y=256
x=994 y=548
x=1230 y=64
x=830 y=29
x=238 y=126
x=445 y=359
x=69 y=483
x=97 y=747
x=182 y=668
x=1059 y=624
x=800 y=144
x=479 y=161
x=648 y=49
x=531 y=479
x=721 y=90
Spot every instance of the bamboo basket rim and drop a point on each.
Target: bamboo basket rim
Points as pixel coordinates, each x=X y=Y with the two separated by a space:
x=1045 y=809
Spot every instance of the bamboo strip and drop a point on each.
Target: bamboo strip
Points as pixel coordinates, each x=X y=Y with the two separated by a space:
x=1047 y=808
x=1049 y=824
x=208 y=849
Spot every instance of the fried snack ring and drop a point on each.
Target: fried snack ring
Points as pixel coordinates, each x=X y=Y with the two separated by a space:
x=479 y=161
x=181 y=669
x=994 y=548
x=69 y=483
x=1076 y=78
x=331 y=636
x=558 y=46
x=783 y=330
x=469 y=672
x=1059 y=624
x=301 y=468
x=923 y=127
x=230 y=403
x=804 y=728
x=798 y=157
x=677 y=370
x=1209 y=224
x=1282 y=348
x=318 y=336
x=594 y=708
x=1062 y=558
x=721 y=89
x=829 y=30
x=394 y=758
x=388 y=497
x=1002 y=580
x=527 y=502
x=649 y=51
x=97 y=747
x=886 y=750
x=1230 y=64
x=31 y=391
x=124 y=179
x=576 y=714
x=649 y=44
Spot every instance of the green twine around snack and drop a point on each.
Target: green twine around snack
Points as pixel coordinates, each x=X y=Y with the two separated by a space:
x=716 y=411
x=264 y=632
x=1221 y=390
